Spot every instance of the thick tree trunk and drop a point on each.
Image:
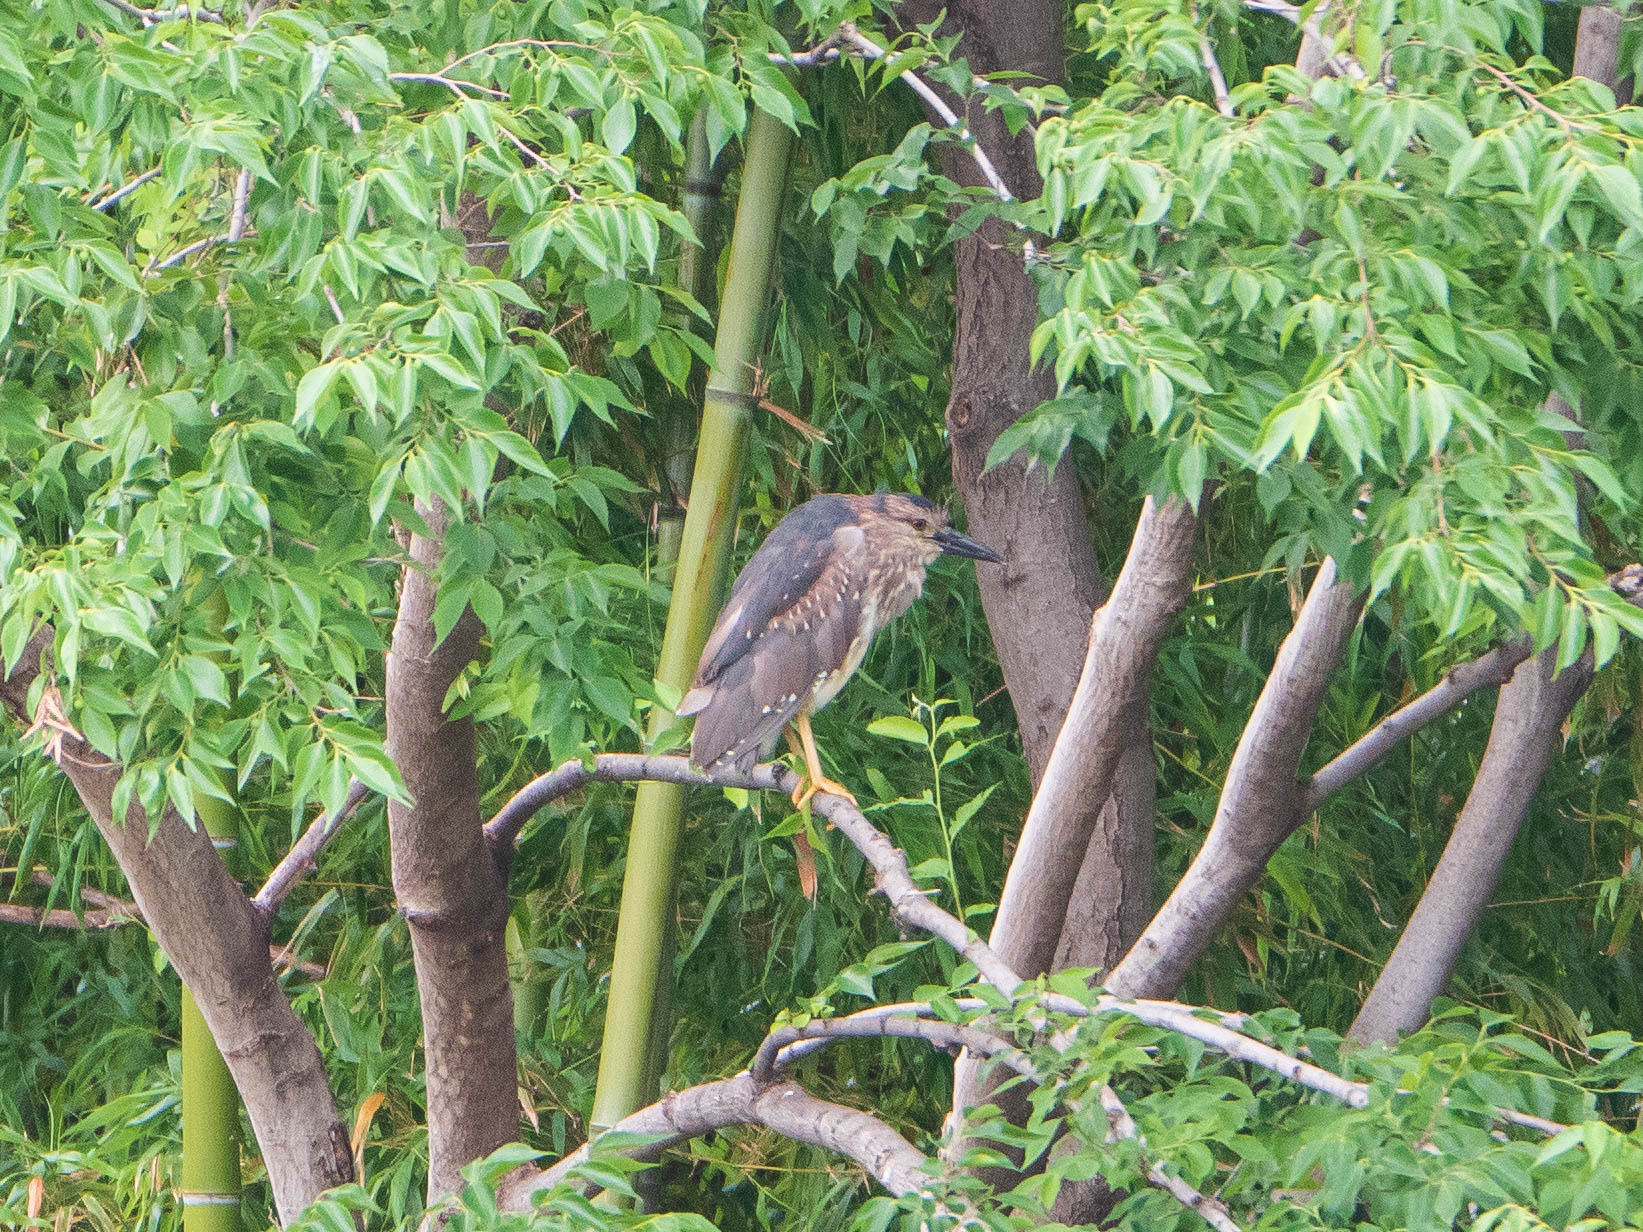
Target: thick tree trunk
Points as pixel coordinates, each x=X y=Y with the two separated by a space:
x=1039 y=603
x=208 y=930
x=451 y=888
x=1527 y=730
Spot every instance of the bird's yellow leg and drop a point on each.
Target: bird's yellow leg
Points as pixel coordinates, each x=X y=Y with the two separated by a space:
x=816 y=780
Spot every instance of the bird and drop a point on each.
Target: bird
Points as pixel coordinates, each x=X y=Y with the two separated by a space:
x=798 y=622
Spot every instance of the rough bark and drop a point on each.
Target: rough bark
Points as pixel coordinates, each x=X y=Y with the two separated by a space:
x=1038 y=605
x=1597 y=48
x=219 y=946
x=450 y=887
x=1527 y=730
x=1262 y=801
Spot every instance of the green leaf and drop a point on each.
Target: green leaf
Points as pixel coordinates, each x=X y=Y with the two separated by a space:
x=900 y=727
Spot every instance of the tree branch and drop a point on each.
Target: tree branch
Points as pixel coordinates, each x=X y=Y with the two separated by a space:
x=1107 y=705
x=204 y=923
x=1261 y=801
x=451 y=887
x=304 y=854
x=784 y=1107
x=867 y=47
x=1212 y=66
x=1340 y=65
x=1527 y=730
x=1494 y=668
x=103 y=204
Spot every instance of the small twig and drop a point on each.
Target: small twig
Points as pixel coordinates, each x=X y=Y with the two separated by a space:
x=855 y=38
x=1528 y=96
x=304 y=853
x=452 y=84
x=520 y=44
x=1212 y=66
x=119 y=194
x=331 y=299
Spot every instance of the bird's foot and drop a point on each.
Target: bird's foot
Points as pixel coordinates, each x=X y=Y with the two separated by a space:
x=810 y=787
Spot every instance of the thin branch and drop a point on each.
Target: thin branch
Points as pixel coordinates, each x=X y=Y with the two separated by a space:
x=1121 y=1125
x=182 y=254
x=304 y=854
x=236 y=232
x=131 y=186
x=520 y=44
x=1494 y=668
x=774 y=1053
x=855 y=38
x=1212 y=66
x=1340 y=65
x=452 y=84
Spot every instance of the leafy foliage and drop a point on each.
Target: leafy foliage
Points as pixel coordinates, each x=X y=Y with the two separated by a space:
x=454 y=277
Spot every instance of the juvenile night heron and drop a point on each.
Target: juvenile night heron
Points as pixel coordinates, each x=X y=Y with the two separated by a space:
x=799 y=619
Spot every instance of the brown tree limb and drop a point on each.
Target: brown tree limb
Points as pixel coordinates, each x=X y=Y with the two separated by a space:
x=451 y=887
x=1261 y=801
x=1527 y=730
x=304 y=854
x=1493 y=668
x=202 y=920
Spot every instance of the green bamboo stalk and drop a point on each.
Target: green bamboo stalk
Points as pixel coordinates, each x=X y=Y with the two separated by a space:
x=648 y=887
x=210 y=1104
x=700 y=197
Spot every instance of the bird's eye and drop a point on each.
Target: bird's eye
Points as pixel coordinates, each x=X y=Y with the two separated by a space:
x=920 y=524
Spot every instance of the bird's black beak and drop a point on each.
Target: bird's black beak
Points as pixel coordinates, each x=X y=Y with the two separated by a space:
x=954 y=544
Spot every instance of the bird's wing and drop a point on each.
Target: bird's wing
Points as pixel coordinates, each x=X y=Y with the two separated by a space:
x=741 y=713
x=786 y=567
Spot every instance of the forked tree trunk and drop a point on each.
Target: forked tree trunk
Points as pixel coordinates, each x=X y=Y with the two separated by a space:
x=207 y=928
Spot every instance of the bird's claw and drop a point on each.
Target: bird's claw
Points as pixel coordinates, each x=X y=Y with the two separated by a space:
x=811 y=787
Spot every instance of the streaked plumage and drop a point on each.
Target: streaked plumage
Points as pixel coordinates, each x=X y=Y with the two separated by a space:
x=802 y=614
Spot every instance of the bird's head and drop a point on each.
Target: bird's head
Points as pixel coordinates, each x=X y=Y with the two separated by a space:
x=920 y=527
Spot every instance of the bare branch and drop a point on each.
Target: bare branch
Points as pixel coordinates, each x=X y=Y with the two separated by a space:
x=1494 y=668
x=776 y=1051
x=304 y=853
x=784 y=1107
x=1261 y=801
x=119 y=194
x=1107 y=705
x=1340 y=65
x=1121 y=1125
x=1212 y=66
x=455 y=85
x=867 y=47
x=153 y=17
